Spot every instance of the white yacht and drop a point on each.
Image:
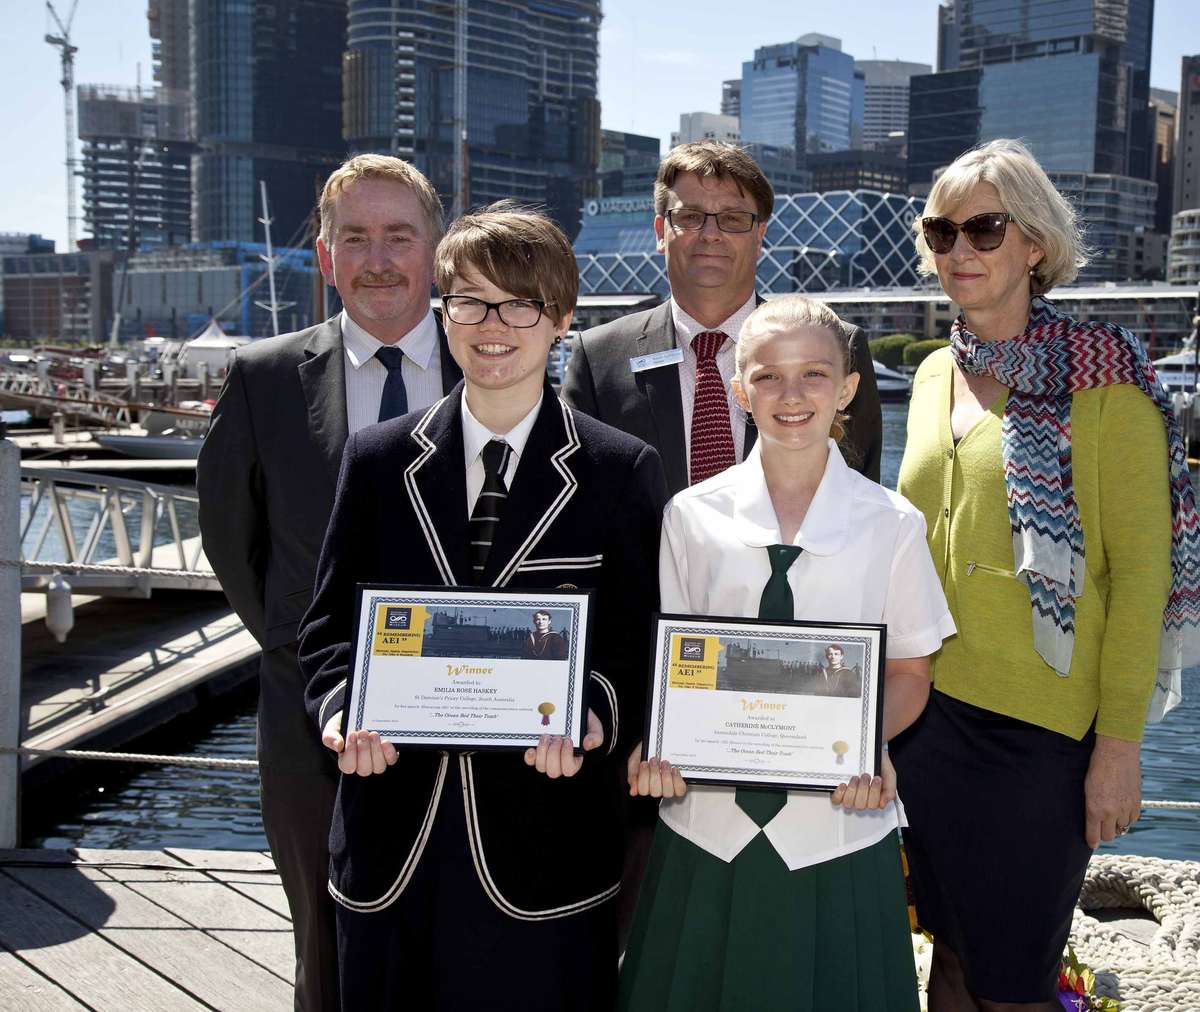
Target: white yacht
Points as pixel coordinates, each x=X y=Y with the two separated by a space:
x=893 y=385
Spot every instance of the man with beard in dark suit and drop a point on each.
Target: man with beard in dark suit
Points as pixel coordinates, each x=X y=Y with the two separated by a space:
x=266 y=479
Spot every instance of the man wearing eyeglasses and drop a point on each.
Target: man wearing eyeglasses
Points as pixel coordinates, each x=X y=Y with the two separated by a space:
x=266 y=479
x=663 y=375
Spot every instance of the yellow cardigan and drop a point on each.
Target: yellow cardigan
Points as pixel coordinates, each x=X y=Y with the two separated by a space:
x=1119 y=465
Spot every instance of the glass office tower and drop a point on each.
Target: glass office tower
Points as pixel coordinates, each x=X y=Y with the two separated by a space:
x=532 y=115
x=266 y=105
x=803 y=95
x=1071 y=77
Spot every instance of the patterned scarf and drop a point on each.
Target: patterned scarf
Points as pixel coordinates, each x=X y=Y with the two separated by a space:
x=1053 y=358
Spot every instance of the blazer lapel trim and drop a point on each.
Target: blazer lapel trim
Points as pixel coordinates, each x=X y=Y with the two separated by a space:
x=558 y=461
x=410 y=862
x=428 y=528
x=475 y=838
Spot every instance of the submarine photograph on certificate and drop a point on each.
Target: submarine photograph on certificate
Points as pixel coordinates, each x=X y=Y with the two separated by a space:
x=494 y=632
x=808 y=668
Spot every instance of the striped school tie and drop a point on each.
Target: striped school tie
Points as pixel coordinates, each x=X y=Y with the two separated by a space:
x=485 y=517
x=711 y=444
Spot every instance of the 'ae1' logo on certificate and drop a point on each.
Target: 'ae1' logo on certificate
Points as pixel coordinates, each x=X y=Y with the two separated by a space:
x=399 y=630
x=694 y=661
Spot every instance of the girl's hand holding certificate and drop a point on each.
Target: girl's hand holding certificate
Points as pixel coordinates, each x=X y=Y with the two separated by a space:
x=653 y=778
x=865 y=791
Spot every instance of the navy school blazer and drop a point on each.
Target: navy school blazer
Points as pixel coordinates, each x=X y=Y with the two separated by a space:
x=584 y=509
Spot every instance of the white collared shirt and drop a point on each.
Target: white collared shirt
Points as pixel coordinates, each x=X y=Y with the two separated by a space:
x=476 y=436
x=365 y=374
x=687 y=328
x=865 y=559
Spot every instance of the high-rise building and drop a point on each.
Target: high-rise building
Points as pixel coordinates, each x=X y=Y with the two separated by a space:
x=705 y=126
x=1184 y=263
x=731 y=98
x=803 y=95
x=525 y=96
x=1071 y=77
x=885 y=98
x=136 y=167
x=171 y=36
x=266 y=105
x=1117 y=213
x=1187 y=138
x=858 y=170
x=628 y=163
x=1163 y=105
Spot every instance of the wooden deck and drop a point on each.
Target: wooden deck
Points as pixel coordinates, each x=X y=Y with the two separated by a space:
x=127 y=666
x=143 y=930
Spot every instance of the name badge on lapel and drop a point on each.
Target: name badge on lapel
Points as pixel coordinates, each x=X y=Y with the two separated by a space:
x=672 y=356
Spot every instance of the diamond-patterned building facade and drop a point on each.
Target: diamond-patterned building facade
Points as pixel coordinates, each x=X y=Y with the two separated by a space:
x=814 y=242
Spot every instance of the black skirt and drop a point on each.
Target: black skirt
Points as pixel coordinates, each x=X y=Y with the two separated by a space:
x=995 y=843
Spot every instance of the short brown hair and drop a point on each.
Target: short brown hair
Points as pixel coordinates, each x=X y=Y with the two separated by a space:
x=372 y=166
x=715 y=158
x=515 y=248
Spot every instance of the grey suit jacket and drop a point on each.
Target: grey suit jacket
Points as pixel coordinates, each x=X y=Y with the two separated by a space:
x=647 y=404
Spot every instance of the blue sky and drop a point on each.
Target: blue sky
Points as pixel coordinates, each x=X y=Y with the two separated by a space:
x=656 y=61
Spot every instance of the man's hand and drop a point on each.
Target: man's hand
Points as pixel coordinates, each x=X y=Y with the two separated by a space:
x=1113 y=789
x=555 y=756
x=363 y=753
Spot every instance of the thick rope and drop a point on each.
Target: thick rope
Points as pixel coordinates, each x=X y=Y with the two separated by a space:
x=1163 y=975
x=133 y=757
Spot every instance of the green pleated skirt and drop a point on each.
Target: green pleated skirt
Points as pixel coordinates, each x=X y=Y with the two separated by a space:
x=752 y=936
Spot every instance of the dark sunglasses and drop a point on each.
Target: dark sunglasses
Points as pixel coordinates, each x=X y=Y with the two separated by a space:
x=983 y=231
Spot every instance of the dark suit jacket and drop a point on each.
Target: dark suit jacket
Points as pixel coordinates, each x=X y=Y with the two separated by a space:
x=266 y=478
x=647 y=404
x=584 y=509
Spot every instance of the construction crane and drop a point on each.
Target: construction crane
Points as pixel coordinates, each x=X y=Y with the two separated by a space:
x=62 y=42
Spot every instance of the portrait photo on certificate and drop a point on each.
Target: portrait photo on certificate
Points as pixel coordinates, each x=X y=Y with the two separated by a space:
x=467 y=668
x=781 y=704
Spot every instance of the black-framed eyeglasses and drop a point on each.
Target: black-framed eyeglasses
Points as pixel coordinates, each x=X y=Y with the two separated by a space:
x=470 y=311
x=985 y=232
x=691 y=219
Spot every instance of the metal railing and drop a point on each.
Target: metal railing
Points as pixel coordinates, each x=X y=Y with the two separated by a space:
x=110 y=535
x=41 y=395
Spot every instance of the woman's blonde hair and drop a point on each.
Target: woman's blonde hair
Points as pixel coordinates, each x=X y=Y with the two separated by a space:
x=1037 y=208
x=789 y=313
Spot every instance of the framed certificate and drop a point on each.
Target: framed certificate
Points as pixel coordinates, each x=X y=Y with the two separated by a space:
x=780 y=704
x=469 y=669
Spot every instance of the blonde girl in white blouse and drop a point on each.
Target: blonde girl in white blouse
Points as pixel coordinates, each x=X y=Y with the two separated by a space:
x=806 y=911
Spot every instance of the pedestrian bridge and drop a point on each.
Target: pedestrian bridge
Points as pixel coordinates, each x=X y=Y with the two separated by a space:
x=109 y=536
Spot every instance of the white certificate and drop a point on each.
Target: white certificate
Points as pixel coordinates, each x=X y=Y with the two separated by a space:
x=465 y=668
x=786 y=704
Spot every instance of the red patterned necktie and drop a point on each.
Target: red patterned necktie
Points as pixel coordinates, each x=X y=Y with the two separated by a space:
x=712 y=434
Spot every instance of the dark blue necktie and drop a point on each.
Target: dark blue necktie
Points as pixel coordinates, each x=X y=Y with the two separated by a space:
x=394 y=402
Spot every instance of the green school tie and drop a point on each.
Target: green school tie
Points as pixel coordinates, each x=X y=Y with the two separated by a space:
x=776 y=603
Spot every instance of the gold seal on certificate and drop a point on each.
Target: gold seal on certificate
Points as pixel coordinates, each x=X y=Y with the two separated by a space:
x=781 y=704
x=471 y=669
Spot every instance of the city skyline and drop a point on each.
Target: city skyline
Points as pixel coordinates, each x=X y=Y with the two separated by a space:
x=653 y=66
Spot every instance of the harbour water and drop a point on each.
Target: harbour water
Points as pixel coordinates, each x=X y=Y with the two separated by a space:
x=114 y=805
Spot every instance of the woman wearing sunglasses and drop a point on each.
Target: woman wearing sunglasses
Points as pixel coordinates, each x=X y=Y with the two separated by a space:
x=1053 y=480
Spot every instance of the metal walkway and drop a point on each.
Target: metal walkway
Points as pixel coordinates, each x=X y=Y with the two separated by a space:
x=26 y=391
x=109 y=536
